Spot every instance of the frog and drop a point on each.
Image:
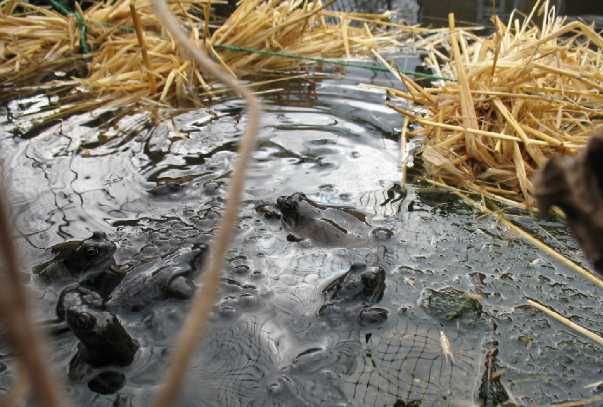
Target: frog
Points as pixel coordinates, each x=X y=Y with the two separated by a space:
x=73 y=259
x=170 y=277
x=356 y=291
x=92 y=290
x=327 y=225
x=103 y=340
x=115 y=290
x=166 y=189
x=75 y=295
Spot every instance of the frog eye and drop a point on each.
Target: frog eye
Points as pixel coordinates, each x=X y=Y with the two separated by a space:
x=353 y=285
x=92 y=252
x=84 y=321
x=369 y=278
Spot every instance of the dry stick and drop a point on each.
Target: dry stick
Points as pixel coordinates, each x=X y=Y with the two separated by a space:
x=197 y=319
x=143 y=47
x=531 y=239
x=568 y=323
x=346 y=41
x=404 y=148
x=19 y=390
x=16 y=316
x=492 y=134
x=578 y=403
x=467 y=104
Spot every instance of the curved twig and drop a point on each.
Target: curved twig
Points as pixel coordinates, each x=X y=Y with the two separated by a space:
x=15 y=315
x=198 y=317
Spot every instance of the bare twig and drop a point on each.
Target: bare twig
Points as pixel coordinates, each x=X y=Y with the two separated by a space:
x=570 y=324
x=196 y=321
x=15 y=315
x=404 y=149
x=578 y=403
x=143 y=46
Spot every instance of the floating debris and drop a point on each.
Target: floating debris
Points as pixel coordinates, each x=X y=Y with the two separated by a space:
x=446 y=348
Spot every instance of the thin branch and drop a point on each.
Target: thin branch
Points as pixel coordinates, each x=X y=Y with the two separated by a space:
x=197 y=319
x=15 y=315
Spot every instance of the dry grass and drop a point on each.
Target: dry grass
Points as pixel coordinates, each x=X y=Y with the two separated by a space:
x=136 y=60
x=520 y=95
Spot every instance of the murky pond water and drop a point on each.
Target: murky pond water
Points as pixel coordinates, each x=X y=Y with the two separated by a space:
x=157 y=192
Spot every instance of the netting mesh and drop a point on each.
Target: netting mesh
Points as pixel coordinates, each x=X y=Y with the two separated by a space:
x=413 y=366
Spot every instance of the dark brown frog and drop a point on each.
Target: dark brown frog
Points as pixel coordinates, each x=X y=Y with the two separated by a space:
x=356 y=290
x=74 y=258
x=327 y=225
x=170 y=277
x=103 y=341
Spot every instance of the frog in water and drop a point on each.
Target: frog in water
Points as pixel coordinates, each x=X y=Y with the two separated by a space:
x=135 y=290
x=328 y=225
x=360 y=286
x=170 y=277
x=74 y=258
x=103 y=340
x=89 y=307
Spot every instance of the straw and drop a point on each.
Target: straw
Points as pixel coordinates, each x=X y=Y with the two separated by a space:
x=16 y=317
x=404 y=152
x=523 y=94
x=568 y=323
x=260 y=36
x=143 y=47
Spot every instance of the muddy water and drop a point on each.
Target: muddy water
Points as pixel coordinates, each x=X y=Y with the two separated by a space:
x=268 y=345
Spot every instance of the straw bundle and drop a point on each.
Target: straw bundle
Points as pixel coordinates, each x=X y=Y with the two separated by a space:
x=518 y=97
x=298 y=27
x=26 y=39
x=134 y=57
